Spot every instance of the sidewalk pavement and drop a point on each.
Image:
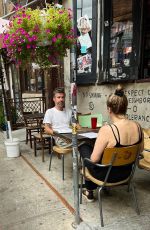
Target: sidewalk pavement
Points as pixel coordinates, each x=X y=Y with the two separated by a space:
x=32 y=198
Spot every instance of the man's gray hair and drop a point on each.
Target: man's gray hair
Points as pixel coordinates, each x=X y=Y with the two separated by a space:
x=58 y=90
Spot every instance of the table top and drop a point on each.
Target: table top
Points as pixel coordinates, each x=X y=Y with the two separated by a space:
x=68 y=136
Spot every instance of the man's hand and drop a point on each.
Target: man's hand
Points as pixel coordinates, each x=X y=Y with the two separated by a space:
x=48 y=129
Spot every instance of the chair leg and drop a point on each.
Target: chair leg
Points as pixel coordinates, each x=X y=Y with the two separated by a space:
x=35 y=147
x=27 y=136
x=100 y=205
x=49 y=146
x=50 y=161
x=62 y=166
x=81 y=187
x=42 y=150
x=135 y=199
x=30 y=136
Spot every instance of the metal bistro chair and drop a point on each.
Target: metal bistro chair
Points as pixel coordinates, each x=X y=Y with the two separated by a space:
x=31 y=125
x=122 y=156
x=42 y=141
x=144 y=162
x=61 y=152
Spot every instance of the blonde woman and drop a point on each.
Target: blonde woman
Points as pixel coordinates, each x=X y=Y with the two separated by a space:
x=122 y=132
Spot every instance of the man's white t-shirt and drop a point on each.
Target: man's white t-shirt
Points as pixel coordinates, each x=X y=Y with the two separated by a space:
x=58 y=119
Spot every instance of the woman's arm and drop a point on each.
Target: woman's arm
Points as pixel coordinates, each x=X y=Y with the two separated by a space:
x=100 y=144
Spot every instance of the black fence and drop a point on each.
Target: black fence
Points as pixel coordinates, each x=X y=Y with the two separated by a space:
x=18 y=106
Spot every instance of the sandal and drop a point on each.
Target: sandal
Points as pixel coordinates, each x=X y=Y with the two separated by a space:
x=88 y=195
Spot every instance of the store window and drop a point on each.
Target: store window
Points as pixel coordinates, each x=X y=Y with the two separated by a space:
x=86 y=41
x=121 y=40
x=145 y=52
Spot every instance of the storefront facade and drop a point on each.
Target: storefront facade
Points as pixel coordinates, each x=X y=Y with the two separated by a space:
x=113 y=48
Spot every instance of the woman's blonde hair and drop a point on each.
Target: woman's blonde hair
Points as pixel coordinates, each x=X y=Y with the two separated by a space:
x=117 y=101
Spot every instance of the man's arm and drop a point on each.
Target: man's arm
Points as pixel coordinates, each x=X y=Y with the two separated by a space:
x=48 y=129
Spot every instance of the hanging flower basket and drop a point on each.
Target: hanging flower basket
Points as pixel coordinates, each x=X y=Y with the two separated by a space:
x=40 y=36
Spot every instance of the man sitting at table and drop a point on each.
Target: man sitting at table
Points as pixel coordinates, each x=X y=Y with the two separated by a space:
x=58 y=117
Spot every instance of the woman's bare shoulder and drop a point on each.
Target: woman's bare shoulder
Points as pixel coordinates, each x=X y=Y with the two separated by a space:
x=105 y=129
x=134 y=123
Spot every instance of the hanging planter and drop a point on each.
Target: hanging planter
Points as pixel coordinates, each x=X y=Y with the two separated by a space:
x=40 y=36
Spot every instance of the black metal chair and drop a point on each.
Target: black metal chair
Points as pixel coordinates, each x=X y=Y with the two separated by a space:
x=122 y=156
x=61 y=152
x=31 y=125
x=42 y=141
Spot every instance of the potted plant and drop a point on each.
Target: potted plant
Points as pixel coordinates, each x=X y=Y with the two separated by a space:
x=40 y=36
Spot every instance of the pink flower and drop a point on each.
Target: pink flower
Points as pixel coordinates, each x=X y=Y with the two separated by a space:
x=6 y=36
x=28 y=46
x=11 y=40
x=59 y=36
x=48 y=31
x=30 y=39
x=23 y=32
x=36 y=29
x=19 y=21
x=61 y=11
x=34 y=38
x=54 y=39
x=24 y=15
x=19 y=49
x=27 y=35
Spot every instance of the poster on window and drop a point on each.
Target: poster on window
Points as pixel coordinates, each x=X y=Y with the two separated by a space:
x=84 y=63
x=84 y=45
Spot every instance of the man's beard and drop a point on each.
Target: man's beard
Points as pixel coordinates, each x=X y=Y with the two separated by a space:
x=61 y=104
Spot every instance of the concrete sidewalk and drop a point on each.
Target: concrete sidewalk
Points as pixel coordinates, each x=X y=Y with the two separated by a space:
x=32 y=198
x=26 y=202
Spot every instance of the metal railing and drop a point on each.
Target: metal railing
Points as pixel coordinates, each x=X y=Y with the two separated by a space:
x=18 y=106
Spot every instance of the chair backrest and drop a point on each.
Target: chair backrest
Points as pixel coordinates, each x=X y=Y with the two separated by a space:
x=29 y=121
x=123 y=155
x=41 y=128
x=85 y=120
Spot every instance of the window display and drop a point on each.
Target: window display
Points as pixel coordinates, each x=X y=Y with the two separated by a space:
x=86 y=41
x=84 y=45
x=121 y=44
x=121 y=41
